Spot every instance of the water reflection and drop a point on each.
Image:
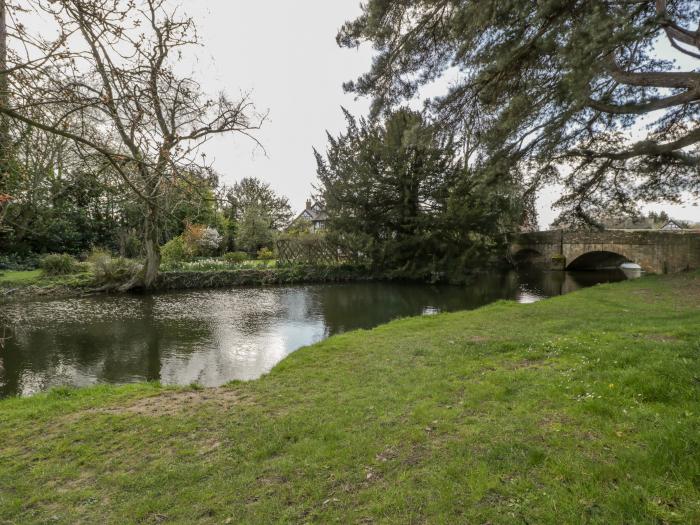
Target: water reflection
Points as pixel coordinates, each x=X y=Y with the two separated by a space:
x=214 y=336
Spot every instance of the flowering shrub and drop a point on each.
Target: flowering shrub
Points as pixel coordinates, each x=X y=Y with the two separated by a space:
x=201 y=240
x=215 y=264
x=210 y=240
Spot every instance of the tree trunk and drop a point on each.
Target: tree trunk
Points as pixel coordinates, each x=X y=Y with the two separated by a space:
x=148 y=276
x=4 y=102
x=151 y=237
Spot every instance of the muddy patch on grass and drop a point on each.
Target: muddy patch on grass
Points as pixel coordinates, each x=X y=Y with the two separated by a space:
x=177 y=402
x=660 y=338
x=478 y=339
x=525 y=364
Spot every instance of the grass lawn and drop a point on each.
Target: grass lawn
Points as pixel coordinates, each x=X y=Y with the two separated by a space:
x=580 y=409
x=12 y=279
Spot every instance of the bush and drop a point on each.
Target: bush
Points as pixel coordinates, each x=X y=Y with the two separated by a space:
x=19 y=263
x=265 y=254
x=201 y=240
x=235 y=257
x=59 y=264
x=174 y=251
x=210 y=241
x=108 y=269
x=129 y=244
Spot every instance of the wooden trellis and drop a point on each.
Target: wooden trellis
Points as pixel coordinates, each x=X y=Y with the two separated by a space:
x=315 y=252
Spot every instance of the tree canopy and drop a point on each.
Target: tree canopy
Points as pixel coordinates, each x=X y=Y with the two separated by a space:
x=109 y=84
x=252 y=193
x=574 y=90
x=258 y=212
x=398 y=193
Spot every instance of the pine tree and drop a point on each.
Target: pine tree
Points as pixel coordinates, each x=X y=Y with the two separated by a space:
x=399 y=193
x=554 y=87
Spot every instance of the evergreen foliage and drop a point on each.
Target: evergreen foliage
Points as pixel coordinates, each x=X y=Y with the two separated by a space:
x=556 y=89
x=399 y=194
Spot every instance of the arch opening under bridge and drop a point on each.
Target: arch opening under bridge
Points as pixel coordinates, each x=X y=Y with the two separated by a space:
x=598 y=260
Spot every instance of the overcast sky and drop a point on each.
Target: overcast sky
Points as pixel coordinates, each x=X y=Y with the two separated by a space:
x=285 y=54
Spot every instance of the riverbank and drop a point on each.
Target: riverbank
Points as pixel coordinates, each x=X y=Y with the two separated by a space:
x=581 y=408
x=34 y=284
x=27 y=285
x=179 y=280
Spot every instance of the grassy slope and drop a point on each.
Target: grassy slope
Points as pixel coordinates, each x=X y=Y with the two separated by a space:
x=38 y=278
x=580 y=409
x=11 y=278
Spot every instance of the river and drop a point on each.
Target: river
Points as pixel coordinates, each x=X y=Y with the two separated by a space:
x=211 y=337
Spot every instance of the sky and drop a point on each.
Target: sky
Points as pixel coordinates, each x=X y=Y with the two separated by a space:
x=284 y=55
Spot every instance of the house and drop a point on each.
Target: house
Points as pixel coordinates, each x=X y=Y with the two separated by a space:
x=672 y=225
x=314 y=213
x=651 y=222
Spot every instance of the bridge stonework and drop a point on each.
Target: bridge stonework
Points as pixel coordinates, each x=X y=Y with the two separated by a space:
x=654 y=250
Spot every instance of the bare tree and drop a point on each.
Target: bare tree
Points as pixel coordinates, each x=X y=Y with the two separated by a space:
x=108 y=82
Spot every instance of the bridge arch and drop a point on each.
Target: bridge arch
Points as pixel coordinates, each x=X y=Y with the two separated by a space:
x=599 y=260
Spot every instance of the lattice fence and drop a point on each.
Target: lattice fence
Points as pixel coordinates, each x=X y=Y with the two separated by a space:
x=317 y=251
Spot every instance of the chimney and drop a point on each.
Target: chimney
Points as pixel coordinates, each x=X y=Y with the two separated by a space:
x=308 y=204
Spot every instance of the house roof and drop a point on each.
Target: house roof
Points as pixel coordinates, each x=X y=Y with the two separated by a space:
x=315 y=212
x=4 y=197
x=671 y=225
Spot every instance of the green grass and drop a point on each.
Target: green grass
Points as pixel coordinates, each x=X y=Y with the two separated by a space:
x=12 y=278
x=580 y=409
x=38 y=278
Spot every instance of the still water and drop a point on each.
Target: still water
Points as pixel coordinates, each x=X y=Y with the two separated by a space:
x=211 y=337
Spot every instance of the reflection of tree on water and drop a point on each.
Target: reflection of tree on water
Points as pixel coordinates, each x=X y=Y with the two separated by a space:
x=554 y=283
x=121 y=348
x=365 y=305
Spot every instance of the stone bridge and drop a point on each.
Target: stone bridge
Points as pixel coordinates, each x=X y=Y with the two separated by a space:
x=656 y=251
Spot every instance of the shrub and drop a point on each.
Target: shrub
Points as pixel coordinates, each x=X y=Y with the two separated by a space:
x=235 y=257
x=265 y=254
x=16 y=262
x=174 y=251
x=108 y=269
x=58 y=264
x=201 y=240
x=210 y=241
x=129 y=244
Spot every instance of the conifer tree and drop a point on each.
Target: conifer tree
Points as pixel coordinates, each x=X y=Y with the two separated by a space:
x=556 y=88
x=399 y=193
